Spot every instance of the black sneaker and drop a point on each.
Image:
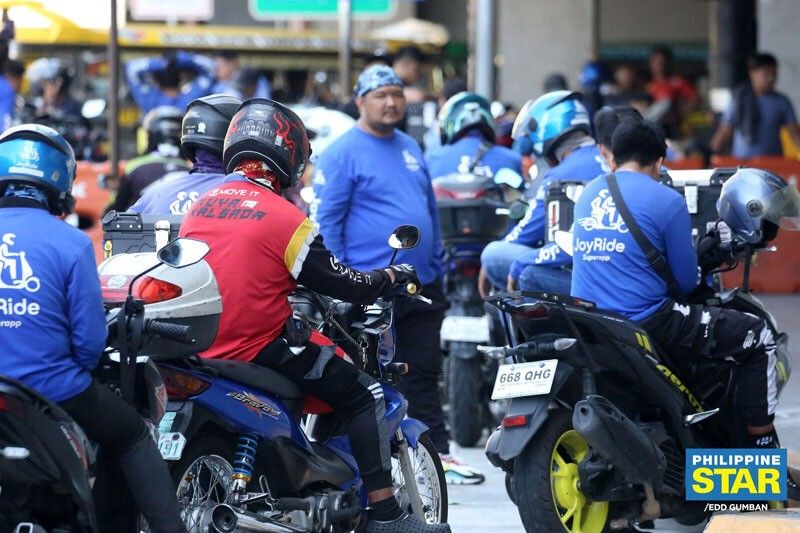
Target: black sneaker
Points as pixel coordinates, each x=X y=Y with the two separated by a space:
x=406 y=523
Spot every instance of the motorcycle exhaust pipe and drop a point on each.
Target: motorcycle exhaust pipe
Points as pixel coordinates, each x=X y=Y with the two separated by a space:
x=618 y=440
x=226 y=519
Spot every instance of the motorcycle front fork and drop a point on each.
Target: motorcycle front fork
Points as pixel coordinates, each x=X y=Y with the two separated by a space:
x=409 y=478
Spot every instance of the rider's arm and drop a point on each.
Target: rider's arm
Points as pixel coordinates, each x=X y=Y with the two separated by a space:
x=87 y=323
x=530 y=229
x=680 y=252
x=333 y=189
x=204 y=67
x=315 y=267
x=144 y=94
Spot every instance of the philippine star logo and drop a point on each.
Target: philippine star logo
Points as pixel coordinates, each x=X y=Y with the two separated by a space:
x=738 y=475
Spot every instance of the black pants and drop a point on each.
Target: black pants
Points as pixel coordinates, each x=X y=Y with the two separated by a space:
x=418 y=343
x=344 y=387
x=125 y=439
x=691 y=331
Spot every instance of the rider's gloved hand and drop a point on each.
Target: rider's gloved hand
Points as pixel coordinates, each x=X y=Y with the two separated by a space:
x=402 y=275
x=709 y=254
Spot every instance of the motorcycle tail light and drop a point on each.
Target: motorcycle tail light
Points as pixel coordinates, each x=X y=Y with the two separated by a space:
x=469 y=270
x=180 y=385
x=3 y=406
x=515 y=421
x=531 y=311
x=153 y=290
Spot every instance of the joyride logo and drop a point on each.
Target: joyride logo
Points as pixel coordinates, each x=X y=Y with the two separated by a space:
x=750 y=474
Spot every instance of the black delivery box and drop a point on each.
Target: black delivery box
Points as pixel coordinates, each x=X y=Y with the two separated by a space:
x=127 y=233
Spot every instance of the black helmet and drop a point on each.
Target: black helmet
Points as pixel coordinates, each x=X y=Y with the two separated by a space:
x=264 y=130
x=206 y=122
x=162 y=125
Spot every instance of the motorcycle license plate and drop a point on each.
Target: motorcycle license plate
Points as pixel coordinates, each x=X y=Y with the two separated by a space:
x=524 y=379
x=465 y=328
x=171 y=445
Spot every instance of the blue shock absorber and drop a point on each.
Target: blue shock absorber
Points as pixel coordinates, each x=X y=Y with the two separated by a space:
x=245 y=457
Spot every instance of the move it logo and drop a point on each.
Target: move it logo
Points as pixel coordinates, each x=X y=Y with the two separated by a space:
x=738 y=474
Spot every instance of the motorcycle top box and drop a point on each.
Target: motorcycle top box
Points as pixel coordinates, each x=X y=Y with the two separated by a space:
x=127 y=233
x=468 y=208
x=186 y=296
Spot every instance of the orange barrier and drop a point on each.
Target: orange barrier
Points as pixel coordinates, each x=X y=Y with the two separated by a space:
x=685 y=163
x=772 y=272
x=91 y=200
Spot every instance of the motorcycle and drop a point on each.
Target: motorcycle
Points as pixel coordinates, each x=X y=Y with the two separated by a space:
x=241 y=458
x=600 y=417
x=472 y=213
x=52 y=478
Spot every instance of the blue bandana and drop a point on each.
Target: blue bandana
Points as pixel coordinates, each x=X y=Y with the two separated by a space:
x=375 y=77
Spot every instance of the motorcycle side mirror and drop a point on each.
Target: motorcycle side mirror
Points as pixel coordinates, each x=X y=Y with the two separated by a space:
x=506 y=176
x=564 y=241
x=183 y=252
x=404 y=237
x=93 y=108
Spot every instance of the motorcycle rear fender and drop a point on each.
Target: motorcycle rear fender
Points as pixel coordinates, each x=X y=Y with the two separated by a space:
x=511 y=441
x=412 y=429
x=464 y=350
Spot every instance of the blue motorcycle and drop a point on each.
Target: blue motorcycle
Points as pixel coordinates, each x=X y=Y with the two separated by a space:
x=249 y=451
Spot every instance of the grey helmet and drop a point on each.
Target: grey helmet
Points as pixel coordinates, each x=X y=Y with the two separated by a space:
x=754 y=203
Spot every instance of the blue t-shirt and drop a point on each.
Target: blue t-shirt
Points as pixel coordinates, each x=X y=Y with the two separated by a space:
x=176 y=193
x=775 y=110
x=583 y=164
x=148 y=96
x=608 y=266
x=458 y=157
x=8 y=104
x=52 y=323
x=366 y=186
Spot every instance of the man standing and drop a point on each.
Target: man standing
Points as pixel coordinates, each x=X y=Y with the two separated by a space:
x=757 y=113
x=369 y=181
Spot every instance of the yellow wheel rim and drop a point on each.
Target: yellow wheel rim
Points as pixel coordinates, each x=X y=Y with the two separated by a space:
x=577 y=514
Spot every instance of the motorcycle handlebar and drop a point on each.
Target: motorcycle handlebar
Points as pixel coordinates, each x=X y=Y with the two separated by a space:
x=173 y=332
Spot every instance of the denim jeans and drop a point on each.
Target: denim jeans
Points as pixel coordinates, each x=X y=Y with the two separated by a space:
x=496 y=259
x=545 y=279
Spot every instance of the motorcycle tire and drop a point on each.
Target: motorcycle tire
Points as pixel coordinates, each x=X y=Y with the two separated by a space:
x=214 y=448
x=466 y=411
x=426 y=451
x=544 y=481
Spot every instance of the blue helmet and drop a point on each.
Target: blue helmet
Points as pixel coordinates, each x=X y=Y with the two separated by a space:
x=754 y=203
x=548 y=119
x=38 y=155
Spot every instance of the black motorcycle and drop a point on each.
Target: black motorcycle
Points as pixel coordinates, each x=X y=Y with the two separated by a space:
x=472 y=213
x=600 y=417
x=52 y=478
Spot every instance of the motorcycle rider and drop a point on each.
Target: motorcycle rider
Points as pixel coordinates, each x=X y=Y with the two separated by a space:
x=556 y=127
x=161 y=129
x=262 y=246
x=466 y=128
x=202 y=134
x=550 y=269
x=57 y=301
x=620 y=278
x=52 y=79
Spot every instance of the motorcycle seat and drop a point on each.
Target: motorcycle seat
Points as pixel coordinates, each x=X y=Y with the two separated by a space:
x=256 y=376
